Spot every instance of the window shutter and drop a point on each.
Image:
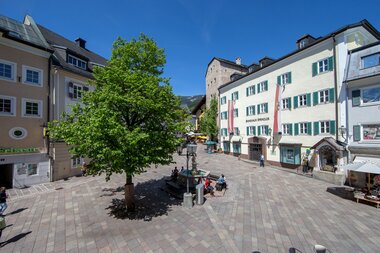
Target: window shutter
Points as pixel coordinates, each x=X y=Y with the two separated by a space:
x=247 y=110
x=296 y=129
x=71 y=90
x=266 y=107
x=289 y=77
x=356 y=97
x=254 y=130
x=290 y=129
x=258 y=109
x=332 y=127
x=232 y=96
x=237 y=95
x=247 y=131
x=85 y=88
x=331 y=95
x=331 y=63
x=316 y=128
x=308 y=99
x=237 y=113
x=254 y=110
x=266 y=130
x=279 y=80
x=290 y=103
x=258 y=88
x=357 y=134
x=266 y=85
x=246 y=91
x=259 y=130
x=297 y=156
x=295 y=102
x=315 y=98
x=309 y=130
x=315 y=68
x=254 y=89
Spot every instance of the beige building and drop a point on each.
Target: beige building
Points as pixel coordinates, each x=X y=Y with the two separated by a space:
x=24 y=109
x=72 y=66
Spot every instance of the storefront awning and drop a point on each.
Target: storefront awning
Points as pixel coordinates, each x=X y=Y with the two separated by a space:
x=362 y=159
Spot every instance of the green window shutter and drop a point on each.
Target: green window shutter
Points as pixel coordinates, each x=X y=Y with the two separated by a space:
x=315 y=98
x=254 y=111
x=316 y=128
x=254 y=130
x=266 y=85
x=295 y=102
x=290 y=103
x=290 y=77
x=309 y=130
x=254 y=89
x=308 y=99
x=237 y=113
x=297 y=156
x=247 y=110
x=247 y=129
x=357 y=134
x=332 y=127
x=232 y=96
x=246 y=91
x=279 y=80
x=266 y=129
x=266 y=107
x=259 y=130
x=296 y=132
x=331 y=95
x=331 y=63
x=315 y=68
x=258 y=109
x=356 y=97
x=237 y=95
x=258 y=88
x=290 y=129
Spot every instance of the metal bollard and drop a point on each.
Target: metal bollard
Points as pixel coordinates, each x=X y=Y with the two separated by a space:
x=199 y=189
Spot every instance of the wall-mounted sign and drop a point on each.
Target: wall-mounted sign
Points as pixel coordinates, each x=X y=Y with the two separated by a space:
x=258 y=119
x=18 y=150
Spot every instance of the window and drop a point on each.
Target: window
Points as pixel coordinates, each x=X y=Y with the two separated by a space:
x=263 y=86
x=323 y=66
x=371 y=95
x=32 y=169
x=251 y=90
x=75 y=162
x=262 y=108
x=32 y=76
x=31 y=108
x=263 y=130
x=251 y=130
x=18 y=133
x=286 y=129
x=7 y=106
x=303 y=128
x=324 y=127
x=223 y=115
x=223 y=100
x=371 y=132
x=251 y=110
x=223 y=132
x=290 y=155
x=76 y=90
x=284 y=78
x=371 y=60
x=236 y=145
x=236 y=113
x=76 y=62
x=7 y=70
x=302 y=100
x=235 y=96
x=226 y=147
x=285 y=104
x=236 y=131
x=324 y=96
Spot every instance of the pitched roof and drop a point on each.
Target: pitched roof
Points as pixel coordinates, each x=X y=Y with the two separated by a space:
x=59 y=42
x=199 y=105
x=363 y=23
x=23 y=32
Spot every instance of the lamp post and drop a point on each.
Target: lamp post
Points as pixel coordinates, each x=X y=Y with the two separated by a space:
x=191 y=150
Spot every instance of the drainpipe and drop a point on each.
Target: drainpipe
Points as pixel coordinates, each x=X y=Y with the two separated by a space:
x=347 y=114
x=48 y=115
x=336 y=90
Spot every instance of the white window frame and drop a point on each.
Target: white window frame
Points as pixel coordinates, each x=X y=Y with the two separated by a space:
x=236 y=113
x=304 y=99
x=77 y=60
x=362 y=103
x=251 y=90
x=251 y=110
x=40 y=109
x=40 y=72
x=366 y=56
x=285 y=104
x=284 y=78
x=13 y=71
x=325 y=126
x=323 y=97
x=78 y=87
x=362 y=137
x=235 y=95
x=13 y=106
x=223 y=115
x=262 y=109
x=303 y=128
x=323 y=66
x=250 y=130
x=262 y=86
x=236 y=131
x=285 y=129
x=76 y=162
x=262 y=130
x=223 y=100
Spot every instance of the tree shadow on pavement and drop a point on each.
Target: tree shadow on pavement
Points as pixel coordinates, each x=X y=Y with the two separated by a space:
x=17 y=211
x=150 y=202
x=15 y=238
x=111 y=191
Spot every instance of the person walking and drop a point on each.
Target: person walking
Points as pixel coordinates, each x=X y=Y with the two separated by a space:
x=3 y=200
x=262 y=161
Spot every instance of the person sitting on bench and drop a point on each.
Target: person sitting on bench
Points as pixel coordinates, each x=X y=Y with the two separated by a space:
x=222 y=182
x=174 y=174
x=208 y=187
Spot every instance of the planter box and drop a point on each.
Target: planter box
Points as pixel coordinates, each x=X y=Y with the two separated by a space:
x=330 y=177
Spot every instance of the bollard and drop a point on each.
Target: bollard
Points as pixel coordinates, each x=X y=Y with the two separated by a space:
x=319 y=249
x=199 y=189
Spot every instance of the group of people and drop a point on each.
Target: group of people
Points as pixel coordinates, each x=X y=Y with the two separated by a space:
x=220 y=185
x=175 y=173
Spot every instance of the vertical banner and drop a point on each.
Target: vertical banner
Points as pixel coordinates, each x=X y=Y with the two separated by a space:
x=276 y=110
x=229 y=117
x=232 y=115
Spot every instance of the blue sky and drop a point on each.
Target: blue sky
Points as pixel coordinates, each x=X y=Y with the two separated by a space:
x=194 y=31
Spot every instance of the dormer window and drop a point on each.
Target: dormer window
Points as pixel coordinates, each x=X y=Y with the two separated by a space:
x=76 y=62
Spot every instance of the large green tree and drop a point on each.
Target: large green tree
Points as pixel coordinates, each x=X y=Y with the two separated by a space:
x=208 y=124
x=131 y=118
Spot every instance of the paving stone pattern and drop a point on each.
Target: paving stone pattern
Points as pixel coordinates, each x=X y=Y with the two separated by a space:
x=263 y=210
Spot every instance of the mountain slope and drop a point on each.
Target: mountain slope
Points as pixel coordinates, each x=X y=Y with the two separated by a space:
x=190 y=101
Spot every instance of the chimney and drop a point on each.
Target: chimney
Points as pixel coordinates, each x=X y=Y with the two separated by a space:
x=238 y=60
x=81 y=42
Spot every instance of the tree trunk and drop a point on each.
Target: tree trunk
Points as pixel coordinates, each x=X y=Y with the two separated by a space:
x=129 y=194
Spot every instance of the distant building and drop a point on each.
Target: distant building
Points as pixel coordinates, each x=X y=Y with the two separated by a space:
x=197 y=113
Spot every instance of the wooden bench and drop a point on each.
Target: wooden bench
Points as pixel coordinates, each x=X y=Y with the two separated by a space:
x=377 y=202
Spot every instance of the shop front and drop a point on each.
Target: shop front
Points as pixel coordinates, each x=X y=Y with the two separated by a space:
x=256 y=147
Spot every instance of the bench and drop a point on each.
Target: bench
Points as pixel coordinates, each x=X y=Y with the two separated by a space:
x=377 y=202
x=173 y=185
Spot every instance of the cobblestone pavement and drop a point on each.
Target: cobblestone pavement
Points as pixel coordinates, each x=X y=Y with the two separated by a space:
x=264 y=210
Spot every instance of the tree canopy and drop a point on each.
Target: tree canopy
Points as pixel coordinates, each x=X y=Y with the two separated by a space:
x=208 y=124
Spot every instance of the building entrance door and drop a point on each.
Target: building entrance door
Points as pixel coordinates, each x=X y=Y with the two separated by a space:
x=6 y=175
x=255 y=151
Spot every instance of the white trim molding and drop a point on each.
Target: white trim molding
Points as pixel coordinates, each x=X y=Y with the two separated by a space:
x=40 y=72
x=14 y=71
x=13 y=106
x=23 y=106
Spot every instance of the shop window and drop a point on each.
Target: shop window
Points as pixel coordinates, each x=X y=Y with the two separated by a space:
x=371 y=132
x=226 y=147
x=236 y=148
x=290 y=155
x=32 y=169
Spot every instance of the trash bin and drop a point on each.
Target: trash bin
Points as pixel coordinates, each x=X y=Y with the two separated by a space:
x=199 y=189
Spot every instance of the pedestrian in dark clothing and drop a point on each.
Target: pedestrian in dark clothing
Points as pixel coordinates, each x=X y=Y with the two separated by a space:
x=3 y=200
x=262 y=161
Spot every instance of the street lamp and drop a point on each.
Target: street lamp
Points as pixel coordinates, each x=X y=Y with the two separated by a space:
x=191 y=150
